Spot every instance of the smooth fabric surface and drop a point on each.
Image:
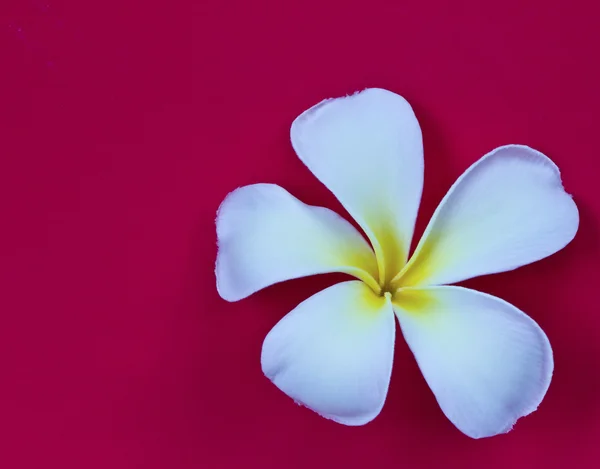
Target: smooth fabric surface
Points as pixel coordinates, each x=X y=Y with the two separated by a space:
x=123 y=127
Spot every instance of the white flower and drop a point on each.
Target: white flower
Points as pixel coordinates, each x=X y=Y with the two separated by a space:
x=487 y=363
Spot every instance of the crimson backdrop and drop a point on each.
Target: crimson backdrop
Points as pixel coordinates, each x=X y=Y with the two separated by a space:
x=124 y=124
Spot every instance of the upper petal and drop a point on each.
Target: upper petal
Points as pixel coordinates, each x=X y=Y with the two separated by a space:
x=487 y=362
x=333 y=353
x=507 y=210
x=266 y=235
x=367 y=149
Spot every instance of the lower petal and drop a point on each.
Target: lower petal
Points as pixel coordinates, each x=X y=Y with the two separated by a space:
x=487 y=362
x=333 y=353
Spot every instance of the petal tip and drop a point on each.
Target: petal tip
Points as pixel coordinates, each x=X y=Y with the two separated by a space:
x=359 y=94
x=223 y=291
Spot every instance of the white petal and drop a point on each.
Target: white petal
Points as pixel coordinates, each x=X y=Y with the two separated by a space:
x=367 y=149
x=507 y=210
x=333 y=353
x=266 y=235
x=487 y=362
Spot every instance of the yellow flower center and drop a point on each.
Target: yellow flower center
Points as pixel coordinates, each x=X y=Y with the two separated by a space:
x=395 y=275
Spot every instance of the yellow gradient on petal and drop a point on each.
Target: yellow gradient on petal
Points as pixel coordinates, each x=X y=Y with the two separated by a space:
x=426 y=260
x=415 y=301
x=359 y=263
x=367 y=279
x=368 y=303
x=391 y=254
x=362 y=259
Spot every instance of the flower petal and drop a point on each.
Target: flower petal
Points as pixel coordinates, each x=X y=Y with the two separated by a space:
x=333 y=353
x=487 y=362
x=507 y=210
x=367 y=149
x=266 y=235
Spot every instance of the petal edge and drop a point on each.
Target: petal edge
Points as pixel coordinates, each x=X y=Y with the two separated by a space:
x=333 y=353
x=487 y=363
x=367 y=149
x=507 y=210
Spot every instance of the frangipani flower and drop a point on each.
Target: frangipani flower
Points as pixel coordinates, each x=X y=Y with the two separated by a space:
x=487 y=362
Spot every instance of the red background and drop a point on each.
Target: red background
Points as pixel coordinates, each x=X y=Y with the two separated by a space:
x=123 y=126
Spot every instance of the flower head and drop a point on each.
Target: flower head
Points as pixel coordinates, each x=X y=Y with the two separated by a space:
x=487 y=362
